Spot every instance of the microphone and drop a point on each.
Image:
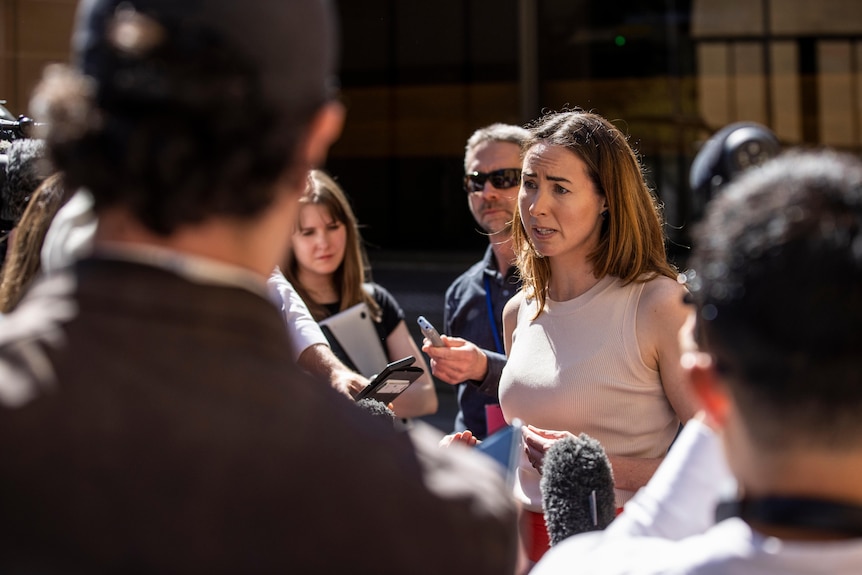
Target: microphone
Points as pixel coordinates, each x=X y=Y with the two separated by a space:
x=378 y=409
x=577 y=487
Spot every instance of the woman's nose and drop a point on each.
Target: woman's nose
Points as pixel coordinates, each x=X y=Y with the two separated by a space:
x=537 y=203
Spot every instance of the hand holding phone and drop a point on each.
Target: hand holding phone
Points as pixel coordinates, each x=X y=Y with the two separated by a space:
x=428 y=331
x=392 y=381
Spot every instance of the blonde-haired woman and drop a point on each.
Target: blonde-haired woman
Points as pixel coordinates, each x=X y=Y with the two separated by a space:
x=327 y=266
x=592 y=337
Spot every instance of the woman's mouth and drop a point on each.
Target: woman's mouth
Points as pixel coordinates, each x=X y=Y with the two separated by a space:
x=542 y=233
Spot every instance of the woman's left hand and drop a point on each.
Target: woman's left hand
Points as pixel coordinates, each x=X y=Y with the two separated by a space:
x=462 y=437
x=538 y=441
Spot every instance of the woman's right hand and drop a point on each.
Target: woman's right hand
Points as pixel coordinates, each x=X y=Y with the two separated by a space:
x=538 y=441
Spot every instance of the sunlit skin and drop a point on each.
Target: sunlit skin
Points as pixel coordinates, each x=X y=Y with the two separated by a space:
x=561 y=212
x=493 y=209
x=318 y=245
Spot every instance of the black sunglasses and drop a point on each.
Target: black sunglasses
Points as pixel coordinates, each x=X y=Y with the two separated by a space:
x=500 y=179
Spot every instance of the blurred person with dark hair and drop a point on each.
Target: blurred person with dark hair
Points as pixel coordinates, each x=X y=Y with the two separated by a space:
x=23 y=260
x=152 y=419
x=766 y=479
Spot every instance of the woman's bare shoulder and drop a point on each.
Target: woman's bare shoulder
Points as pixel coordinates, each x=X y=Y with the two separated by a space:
x=514 y=303
x=662 y=291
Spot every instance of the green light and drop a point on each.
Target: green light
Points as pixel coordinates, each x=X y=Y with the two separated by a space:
x=620 y=40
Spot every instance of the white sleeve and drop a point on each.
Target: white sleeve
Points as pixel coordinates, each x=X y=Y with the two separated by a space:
x=302 y=330
x=678 y=502
x=70 y=234
x=680 y=499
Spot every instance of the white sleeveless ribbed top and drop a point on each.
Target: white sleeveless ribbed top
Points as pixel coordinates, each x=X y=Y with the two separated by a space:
x=577 y=367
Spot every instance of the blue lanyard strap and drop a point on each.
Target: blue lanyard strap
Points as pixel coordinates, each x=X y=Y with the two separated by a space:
x=491 y=318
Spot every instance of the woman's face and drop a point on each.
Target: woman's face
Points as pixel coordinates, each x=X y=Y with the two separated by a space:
x=319 y=242
x=559 y=204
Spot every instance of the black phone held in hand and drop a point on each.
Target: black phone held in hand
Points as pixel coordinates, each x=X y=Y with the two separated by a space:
x=392 y=381
x=428 y=331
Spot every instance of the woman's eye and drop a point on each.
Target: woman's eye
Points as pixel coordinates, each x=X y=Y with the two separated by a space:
x=529 y=184
x=560 y=189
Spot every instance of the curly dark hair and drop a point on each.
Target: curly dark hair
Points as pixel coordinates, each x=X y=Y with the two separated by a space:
x=179 y=133
x=777 y=284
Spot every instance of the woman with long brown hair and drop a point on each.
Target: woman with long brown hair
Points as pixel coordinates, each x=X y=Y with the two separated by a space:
x=592 y=337
x=328 y=267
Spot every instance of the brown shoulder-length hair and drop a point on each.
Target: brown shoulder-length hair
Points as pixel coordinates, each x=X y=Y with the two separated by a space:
x=350 y=276
x=631 y=242
x=24 y=256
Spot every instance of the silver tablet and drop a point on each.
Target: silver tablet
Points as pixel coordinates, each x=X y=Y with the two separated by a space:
x=355 y=335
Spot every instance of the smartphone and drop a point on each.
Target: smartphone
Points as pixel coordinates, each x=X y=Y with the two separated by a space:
x=392 y=381
x=504 y=447
x=428 y=331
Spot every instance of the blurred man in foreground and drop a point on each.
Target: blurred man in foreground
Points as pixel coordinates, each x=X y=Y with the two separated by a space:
x=774 y=357
x=151 y=416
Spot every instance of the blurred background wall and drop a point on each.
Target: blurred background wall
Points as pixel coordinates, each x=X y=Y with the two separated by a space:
x=419 y=76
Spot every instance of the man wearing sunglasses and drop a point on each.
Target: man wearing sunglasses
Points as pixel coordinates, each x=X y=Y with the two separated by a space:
x=473 y=357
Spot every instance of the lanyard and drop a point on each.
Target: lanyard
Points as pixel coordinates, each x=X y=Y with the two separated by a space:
x=491 y=318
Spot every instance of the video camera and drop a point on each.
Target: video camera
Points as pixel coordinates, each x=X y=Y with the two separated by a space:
x=728 y=153
x=11 y=129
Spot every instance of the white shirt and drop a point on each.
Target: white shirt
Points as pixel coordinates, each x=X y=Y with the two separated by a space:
x=668 y=528
x=303 y=331
x=70 y=235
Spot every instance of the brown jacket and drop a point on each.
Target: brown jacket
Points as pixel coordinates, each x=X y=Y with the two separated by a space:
x=152 y=424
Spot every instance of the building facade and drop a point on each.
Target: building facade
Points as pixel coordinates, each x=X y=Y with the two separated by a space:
x=419 y=77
